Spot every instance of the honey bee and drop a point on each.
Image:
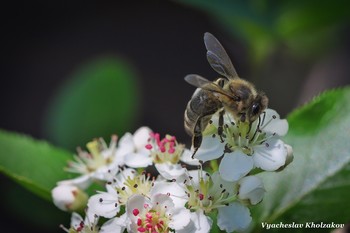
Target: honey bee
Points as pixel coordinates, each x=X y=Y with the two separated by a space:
x=226 y=94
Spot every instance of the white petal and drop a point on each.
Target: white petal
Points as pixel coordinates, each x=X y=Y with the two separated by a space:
x=75 y=220
x=180 y=217
x=125 y=144
x=141 y=137
x=273 y=124
x=105 y=172
x=170 y=171
x=252 y=189
x=176 y=192
x=235 y=165
x=162 y=200
x=201 y=221
x=82 y=182
x=271 y=155
x=136 y=201
x=230 y=187
x=235 y=217
x=210 y=149
x=186 y=157
x=113 y=226
x=104 y=204
x=138 y=160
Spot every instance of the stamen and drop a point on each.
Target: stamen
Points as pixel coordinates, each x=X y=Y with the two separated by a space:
x=135 y=212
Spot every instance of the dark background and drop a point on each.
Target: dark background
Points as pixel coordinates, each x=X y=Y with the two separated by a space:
x=44 y=42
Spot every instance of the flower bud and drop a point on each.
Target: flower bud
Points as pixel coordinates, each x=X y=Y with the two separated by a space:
x=251 y=189
x=69 y=197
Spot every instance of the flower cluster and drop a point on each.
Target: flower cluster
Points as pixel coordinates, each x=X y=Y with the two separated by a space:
x=172 y=197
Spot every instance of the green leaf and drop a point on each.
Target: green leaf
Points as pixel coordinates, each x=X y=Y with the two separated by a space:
x=100 y=99
x=315 y=187
x=34 y=164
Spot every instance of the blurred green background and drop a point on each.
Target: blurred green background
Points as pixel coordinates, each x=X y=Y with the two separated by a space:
x=72 y=71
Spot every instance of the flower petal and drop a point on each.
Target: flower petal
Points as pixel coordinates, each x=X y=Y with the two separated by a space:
x=104 y=204
x=170 y=171
x=136 y=201
x=114 y=225
x=173 y=189
x=180 y=217
x=162 y=200
x=235 y=217
x=251 y=188
x=126 y=144
x=75 y=220
x=201 y=221
x=82 y=182
x=235 y=165
x=230 y=187
x=210 y=149
x=141 y=137
x=186 y=157
x=137 y=160
x=271 y=155
x=273 y=124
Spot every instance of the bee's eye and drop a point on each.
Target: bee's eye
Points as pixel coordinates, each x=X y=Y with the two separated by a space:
x=255 y=109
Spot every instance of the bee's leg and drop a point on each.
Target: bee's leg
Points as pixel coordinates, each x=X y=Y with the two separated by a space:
x=197 y=130
x=221 y=124
x=197 y=137
x=263 y=120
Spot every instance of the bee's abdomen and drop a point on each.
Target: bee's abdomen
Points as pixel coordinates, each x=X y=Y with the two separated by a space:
x=201 y=106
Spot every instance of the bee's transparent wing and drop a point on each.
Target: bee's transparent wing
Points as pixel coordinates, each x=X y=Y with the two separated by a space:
x=196 y=80
x=218 y=58
x=205 y=84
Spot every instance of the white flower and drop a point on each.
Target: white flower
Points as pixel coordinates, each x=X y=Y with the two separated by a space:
x=69 y=197
x=125 y=184
x=211 y=193
x=155 y=214
x=207 y=194
x=166 y=153
x=246 y=146
x=96 y=163
x=131 y=148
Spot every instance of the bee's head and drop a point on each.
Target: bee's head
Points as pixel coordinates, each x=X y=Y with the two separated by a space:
x=258 y=105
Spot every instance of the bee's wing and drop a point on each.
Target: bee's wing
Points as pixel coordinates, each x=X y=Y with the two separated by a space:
x=218 y=58
x=205 y=84
x=196 y=80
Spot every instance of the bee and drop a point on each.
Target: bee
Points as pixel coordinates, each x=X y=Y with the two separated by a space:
x=226 y=94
